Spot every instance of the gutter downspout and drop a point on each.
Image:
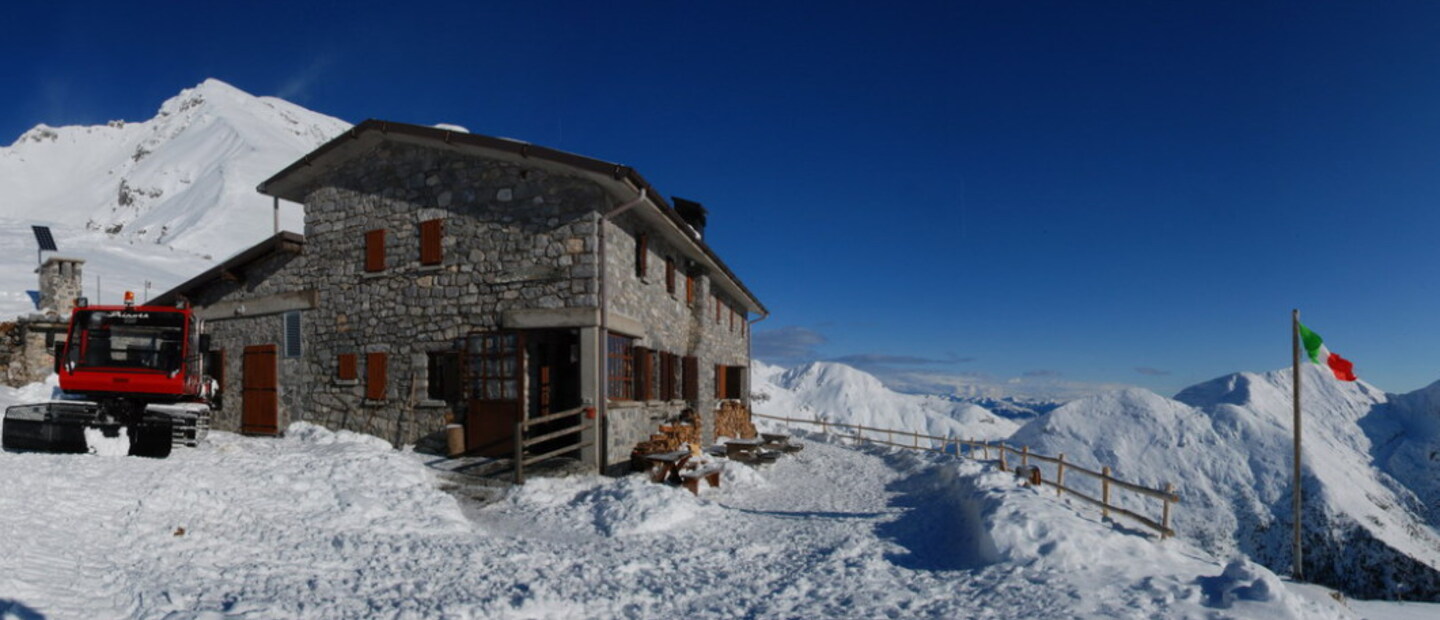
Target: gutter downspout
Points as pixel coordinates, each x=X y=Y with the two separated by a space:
x=602 y=404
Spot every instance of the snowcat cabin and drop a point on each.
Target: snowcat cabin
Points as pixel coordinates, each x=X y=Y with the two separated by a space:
x=131 y=350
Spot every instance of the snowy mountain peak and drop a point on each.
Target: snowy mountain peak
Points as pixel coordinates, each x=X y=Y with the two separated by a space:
x=180 y=185
x=185 y=178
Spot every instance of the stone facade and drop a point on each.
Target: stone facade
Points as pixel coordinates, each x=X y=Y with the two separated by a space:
x=60 y=282
x=520 y=252
x=27 y=344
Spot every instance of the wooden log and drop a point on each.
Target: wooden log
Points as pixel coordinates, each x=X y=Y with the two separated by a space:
x=1060 y=475
x=1105 y=491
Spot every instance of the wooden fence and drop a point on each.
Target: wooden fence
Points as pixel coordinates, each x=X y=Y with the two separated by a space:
x=998 y=451
x=522 y=442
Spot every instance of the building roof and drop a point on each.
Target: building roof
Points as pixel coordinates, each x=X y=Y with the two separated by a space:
x=296 y=181
x=283 y=241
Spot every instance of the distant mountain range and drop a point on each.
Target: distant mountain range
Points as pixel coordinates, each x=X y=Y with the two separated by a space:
x=1371 y=460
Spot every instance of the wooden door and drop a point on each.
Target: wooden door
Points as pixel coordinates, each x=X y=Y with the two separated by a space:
x=260 y=393
x=494 y=366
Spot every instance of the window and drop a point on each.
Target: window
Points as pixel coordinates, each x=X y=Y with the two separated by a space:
x=642 y=255
x=729 y=382
x=292 y=333
x=346 y=367
x=620 y=356
x=689 y=288
x=734 y=382
x=670 y=275
x=717 y=310
x=690 y=379
x=375 y=376
x=375 y=250
x=430 y=232
x=443 y=376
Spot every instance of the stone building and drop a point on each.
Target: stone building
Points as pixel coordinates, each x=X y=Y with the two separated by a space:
x=27 y=344
x=450 y=276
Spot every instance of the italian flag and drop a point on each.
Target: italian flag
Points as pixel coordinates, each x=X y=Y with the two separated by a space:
x=1315 y=347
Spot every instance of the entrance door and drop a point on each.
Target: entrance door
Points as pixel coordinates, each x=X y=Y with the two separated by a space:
x=494 y=363
x=259 y=394
x=553 y=363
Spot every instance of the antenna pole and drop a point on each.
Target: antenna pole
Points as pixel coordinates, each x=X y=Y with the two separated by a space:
x=1297 y=569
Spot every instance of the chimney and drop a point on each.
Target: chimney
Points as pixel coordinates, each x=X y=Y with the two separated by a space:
x=692 y=213
x=60 y=283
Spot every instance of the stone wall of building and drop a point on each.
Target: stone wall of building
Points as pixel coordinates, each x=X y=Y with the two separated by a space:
x=513 y=238
x=60 y=284
x=672 y=323
x=245 y=327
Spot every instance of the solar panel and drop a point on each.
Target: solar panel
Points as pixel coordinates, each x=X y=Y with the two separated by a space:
x=44 y=238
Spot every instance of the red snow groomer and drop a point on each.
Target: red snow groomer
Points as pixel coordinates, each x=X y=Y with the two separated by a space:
x=136 y=368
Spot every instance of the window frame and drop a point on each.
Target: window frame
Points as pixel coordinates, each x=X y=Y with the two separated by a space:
x=619 y=367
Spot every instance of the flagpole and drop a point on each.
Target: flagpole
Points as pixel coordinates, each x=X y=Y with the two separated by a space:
x=1296 y=570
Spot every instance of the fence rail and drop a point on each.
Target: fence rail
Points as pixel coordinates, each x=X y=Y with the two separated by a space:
x=522 y=443
x=969 y=448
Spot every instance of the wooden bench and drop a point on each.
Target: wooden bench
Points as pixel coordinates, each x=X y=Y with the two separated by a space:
x=690 y=478
x=776 y=441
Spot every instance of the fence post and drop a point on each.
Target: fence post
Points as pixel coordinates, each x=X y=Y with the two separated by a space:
x=1165 y=519
x=824 y=427
x=1105 y=491
x=1024 y=456
x=889 y=436
x=1060 y=475
x=519 y=453
x=1002 y=456
x=917 y=439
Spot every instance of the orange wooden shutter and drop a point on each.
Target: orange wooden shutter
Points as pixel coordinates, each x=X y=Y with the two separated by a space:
x=430 y=231
x=375 y=250
x=644 y=375
x=691 y=378
x=719 y=381
x=375 y=376
x=347 y=367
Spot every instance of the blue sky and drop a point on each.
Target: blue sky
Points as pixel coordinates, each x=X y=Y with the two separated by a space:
x=1032 y=195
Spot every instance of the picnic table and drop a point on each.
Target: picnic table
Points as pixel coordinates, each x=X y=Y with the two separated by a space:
x=664 y=465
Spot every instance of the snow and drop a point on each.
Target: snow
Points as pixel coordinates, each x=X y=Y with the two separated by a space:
x=323 y=524
x=158 y=200
x=839 y=393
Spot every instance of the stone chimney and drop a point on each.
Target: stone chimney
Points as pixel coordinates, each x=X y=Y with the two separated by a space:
x=59 y=285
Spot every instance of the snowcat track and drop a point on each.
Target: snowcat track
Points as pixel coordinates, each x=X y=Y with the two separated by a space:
x=48 y=427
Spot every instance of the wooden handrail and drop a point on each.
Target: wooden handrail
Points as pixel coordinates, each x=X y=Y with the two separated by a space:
x=528 y=422
x=1166 y=496
x=521 y=442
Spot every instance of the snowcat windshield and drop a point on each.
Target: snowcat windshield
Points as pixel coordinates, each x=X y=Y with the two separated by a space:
x=127 y=339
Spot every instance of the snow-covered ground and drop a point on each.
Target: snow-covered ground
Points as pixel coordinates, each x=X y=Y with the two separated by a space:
x=321 y=524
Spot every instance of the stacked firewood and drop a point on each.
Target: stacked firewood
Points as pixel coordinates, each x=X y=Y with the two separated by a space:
x=733 y=420
x=670 y=438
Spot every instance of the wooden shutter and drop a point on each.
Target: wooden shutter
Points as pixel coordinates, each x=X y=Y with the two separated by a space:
x=691 y=379
x=644 y=375
x=375 y=250
x=642 y=255
x=670 y=275
x=719 y=382
x=346 y=367
x=667 y=376
x=689 y=288
x=430 y=231
x=375 y=376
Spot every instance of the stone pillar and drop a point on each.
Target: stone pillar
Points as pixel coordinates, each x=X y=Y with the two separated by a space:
x=592 y=385
x=60 y=283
